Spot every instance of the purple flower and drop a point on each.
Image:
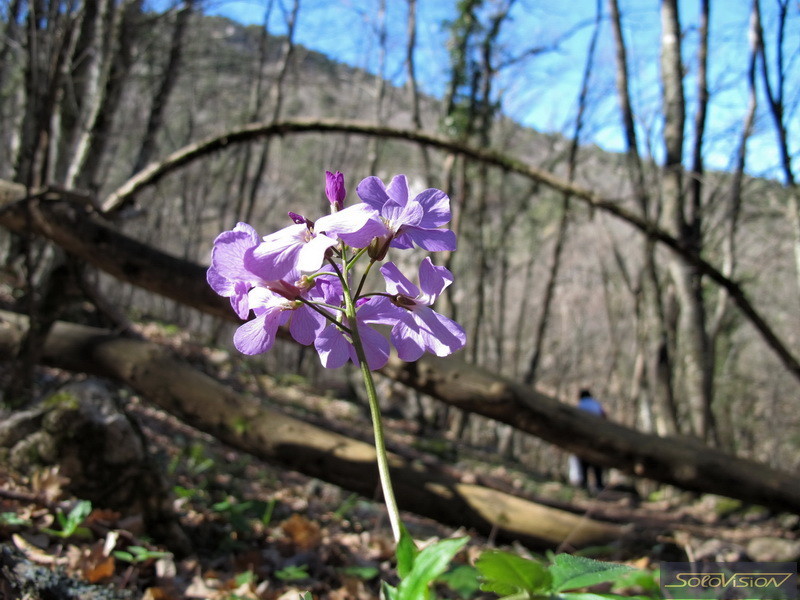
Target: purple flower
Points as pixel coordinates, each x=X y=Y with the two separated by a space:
x=227 y=274
x=296 y=247
x=334 y=189
x=335 y=347
x=274 y=302
x=273 y=309
x=356 y=225
x=304 y=245
x=417 y=328
x=407 y=222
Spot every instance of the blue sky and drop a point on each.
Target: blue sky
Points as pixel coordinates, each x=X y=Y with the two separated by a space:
x=542 y=92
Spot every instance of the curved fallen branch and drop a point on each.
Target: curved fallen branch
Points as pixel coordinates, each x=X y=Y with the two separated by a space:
x=186 y=155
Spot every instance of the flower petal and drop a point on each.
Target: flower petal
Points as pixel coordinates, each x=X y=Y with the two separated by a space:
x=355 y=225
x=402 y=215
x=433 y=240
x=441 y=336
x=437 y=208
x=376 y=347
x=312 y=254
x=276 y=256
x=432 y=280
x=305 y=324
x=372 y=192
x=258 y=335
x=230 y=248
x=398 y=190
x=397 y=283
x=332 y=347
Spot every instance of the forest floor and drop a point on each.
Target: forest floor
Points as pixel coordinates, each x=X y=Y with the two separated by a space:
x=264 y=533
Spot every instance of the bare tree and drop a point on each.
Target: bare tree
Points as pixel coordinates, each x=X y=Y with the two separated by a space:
x=278 y=96
x=558 y=247
x=91 y=149
x=685 y=224
x=169 y=78
x=653 y=342
x=774 y=84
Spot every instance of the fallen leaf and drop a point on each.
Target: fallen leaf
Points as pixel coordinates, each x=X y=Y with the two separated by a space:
x=92 y=562
x=49 y=483
x=303 y=533
x=101 y=570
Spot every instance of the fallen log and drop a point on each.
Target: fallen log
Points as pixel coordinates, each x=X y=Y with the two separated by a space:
x=202 y=402
x=683 y=462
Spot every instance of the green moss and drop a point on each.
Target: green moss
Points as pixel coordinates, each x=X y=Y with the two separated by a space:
x=62 y=399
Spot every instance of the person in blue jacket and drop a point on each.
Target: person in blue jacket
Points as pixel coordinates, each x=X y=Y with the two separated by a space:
x=591 y=405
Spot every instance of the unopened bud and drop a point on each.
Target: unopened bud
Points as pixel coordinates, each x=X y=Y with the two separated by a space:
x=403 y=301
x=334 y=190
x=301 y=220
x=378 y=247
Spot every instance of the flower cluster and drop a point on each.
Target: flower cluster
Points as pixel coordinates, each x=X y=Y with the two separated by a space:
x=304 y=276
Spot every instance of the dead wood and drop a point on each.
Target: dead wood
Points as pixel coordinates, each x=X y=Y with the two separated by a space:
x=683 y=462
x=202 y=402
x=188 y=154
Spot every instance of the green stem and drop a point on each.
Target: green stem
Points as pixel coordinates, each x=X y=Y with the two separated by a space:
x=375 y=412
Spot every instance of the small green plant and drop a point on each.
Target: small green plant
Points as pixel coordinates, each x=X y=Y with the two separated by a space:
x=363 y=573
x=12 y=519
x=463 y=580
x=514 y=577
x=186 y=493
x=292 y=573
x=71 y=523
x=418 y=569
x=245 y=578
x=240 y=515
x=346 y=506
x=139 y=554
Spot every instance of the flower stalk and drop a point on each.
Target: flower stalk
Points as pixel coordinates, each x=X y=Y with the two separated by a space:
x=292 y=278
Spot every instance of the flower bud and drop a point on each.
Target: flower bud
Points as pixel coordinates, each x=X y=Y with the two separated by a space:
x=285 y=289
x=403 y=301
x=378 y=247
x=334 y=190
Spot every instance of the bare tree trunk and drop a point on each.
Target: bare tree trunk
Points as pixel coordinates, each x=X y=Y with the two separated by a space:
x=257 y=96
x=380 y=83
x=655 y=342
x=558 y=247
x=50 y=30
x=93 y=144
x=416 y=114
x=719 y=320
x=169 y=78
x=277 y=108
x=693 y=339
x=774 y=88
